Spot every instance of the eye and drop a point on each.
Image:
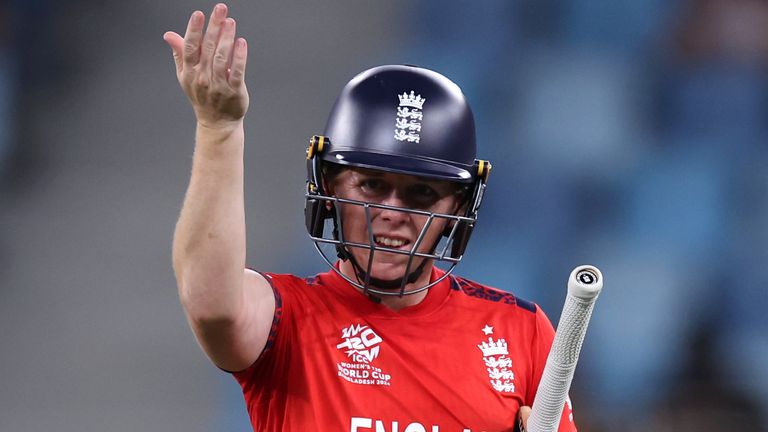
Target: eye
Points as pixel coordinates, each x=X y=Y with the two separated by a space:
x=373 y=186
x=422 y=195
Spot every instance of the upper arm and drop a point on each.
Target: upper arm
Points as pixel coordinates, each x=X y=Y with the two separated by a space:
x=233 y=344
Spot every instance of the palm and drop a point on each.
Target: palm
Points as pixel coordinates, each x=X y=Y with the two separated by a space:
x=210 y=67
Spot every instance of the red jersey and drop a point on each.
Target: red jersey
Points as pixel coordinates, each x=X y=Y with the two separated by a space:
x=463 y=360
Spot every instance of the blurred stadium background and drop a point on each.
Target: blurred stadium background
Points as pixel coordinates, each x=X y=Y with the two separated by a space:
x=628 y=134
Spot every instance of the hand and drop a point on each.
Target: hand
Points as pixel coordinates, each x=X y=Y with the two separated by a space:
x=524 y=413
x=210 y=68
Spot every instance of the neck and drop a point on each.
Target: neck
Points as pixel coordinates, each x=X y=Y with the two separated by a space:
x=394 y=302
x=397 y=303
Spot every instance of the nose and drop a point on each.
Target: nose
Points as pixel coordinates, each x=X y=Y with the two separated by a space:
x=392 y=215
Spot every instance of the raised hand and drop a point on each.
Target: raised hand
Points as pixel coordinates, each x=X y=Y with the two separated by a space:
x=210 y=68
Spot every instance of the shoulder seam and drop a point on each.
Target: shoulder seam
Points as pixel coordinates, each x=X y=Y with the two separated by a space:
x=483 y=292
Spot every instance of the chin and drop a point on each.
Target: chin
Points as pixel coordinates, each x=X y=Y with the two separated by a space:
x=391 y=267
x=388 y=273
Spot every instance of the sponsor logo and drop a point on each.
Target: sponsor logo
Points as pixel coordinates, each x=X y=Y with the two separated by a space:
x=586 y=277
x=363 y=424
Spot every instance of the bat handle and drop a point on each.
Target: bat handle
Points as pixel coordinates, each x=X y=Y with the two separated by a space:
x=584 y=285
x=585 y=282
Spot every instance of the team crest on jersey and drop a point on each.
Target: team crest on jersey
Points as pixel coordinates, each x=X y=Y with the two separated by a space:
x=409 y=116
x=497 y=362
x=362 y=346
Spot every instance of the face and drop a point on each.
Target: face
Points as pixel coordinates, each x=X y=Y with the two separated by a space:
x=391 y=228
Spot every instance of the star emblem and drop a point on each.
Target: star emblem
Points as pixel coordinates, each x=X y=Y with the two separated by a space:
x=487 y=330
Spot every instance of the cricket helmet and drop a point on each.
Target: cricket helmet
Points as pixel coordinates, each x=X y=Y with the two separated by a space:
x=399 y=119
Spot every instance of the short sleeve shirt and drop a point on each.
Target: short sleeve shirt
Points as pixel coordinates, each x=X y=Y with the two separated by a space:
x=462 y=360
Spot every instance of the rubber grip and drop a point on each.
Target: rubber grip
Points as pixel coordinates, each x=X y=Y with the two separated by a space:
x=584 y=286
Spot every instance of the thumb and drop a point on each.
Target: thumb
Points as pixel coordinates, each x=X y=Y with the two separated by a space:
x=176 y=43
x=524 y=413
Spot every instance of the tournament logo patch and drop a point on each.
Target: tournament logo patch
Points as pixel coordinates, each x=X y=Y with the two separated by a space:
x=362 y=346
x=497 y=362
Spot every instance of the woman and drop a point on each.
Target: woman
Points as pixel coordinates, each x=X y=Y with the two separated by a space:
x=385 y=341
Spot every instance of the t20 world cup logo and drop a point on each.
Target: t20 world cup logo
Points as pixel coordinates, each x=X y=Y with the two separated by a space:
x=360 y=342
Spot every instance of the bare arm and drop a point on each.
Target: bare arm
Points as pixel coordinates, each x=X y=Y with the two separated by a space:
x=229 y=309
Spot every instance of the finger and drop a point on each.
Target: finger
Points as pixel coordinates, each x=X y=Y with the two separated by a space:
x=192 y=39
x=525 y=412
x=223 y=54
x=176 y=43
x=211 y=38
x=239 y=60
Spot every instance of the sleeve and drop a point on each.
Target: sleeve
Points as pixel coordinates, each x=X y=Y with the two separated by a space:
x=265 y=383
x=280 y=331
x=542 y=342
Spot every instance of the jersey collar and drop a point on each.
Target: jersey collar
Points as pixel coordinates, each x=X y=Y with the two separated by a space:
x=436 y=296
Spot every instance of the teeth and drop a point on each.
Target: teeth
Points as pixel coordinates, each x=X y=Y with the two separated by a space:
x=386 y=241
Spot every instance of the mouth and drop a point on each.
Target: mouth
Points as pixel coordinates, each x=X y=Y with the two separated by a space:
x=391 y=242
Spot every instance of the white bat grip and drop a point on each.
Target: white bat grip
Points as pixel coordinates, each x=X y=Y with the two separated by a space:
x=584 y=285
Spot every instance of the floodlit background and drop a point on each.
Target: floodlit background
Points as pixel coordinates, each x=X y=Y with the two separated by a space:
x=628 y=134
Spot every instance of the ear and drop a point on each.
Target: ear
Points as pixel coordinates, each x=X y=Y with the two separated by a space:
x=329 y=189
x=461 y=207
x=458 y=209
x=460 y=203
x=464 y=230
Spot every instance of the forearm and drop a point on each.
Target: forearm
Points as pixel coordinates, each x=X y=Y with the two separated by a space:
x=209 y=242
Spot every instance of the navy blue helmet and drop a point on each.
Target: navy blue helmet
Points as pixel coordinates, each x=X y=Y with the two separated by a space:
x=399 y=119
